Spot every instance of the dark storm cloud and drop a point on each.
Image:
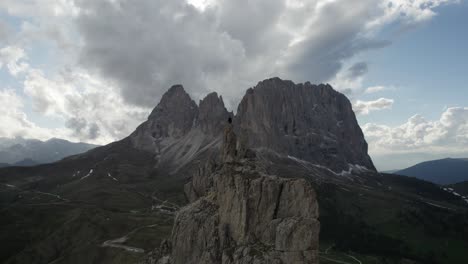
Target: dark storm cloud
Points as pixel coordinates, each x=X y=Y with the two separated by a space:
x=82 y=129
x=335 y=36
x=358 y=69
x=5 y=31
x=146 y=46
x=253 y=23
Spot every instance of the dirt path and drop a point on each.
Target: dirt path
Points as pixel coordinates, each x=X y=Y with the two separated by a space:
x=353 y=257
x=117 y=243
x=335 y=260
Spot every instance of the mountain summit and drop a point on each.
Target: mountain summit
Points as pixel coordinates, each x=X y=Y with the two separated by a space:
x=178 y=130
x=309 y=122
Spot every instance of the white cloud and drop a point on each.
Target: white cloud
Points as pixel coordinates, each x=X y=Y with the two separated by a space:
x=232 y=44
x=449 y=134
x=14 y=122
x=201 y=4
x=349 y=81
x=365 y=107
x=35 y=8
x=125 y=53
x=92 y=109
x=13 y=58
x=375 y=89
x=407 y=11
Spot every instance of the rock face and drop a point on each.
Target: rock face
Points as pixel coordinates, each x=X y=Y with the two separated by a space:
x=172 y=118
x=229 y=143
x=310 y=122
x=212 y=114
x=239 y=214
x=305 y=121
x=178 y=130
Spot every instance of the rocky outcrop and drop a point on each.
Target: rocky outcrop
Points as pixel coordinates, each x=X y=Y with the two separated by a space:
x=240 y=214
x=310 y=122
x=229 y=150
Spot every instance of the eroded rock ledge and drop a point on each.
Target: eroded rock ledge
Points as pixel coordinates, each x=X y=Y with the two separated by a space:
x=239 y=214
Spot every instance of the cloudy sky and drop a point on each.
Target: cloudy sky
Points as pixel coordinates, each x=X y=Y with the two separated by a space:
x=92 y=70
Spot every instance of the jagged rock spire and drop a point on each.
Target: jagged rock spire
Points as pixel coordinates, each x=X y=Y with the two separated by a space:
x=212 y=114
x=229 y=142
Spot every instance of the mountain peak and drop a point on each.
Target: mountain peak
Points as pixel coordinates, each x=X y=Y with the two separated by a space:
x=58 y=140
x=276 y=79
x=175 y=99
x=310 y=122
x=212 y=114
x=173 y=117
x=176 y=88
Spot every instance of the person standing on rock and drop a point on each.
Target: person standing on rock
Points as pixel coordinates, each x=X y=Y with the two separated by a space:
x=229 y=142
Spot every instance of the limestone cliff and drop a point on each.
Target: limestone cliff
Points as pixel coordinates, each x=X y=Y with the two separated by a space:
x=178 y=130
x=240 y=214
x=310 y=122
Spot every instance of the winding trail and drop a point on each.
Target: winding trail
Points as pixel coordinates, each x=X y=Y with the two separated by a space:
x=338 y=261
x=353 y=257
x=334 y=260
x=37 y=192
x=328 y=249
x=117 y=243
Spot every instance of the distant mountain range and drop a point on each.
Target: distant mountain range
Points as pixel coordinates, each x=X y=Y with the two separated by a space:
x=443 y=171
x=29 y=152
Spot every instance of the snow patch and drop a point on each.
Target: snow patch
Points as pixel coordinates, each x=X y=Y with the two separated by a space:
x=110 y=176
x=164 y=209
x=87 y=175
x=117 y=243
x=436 y=205
x=345 y=173
x=353 y=168
x=451 y=191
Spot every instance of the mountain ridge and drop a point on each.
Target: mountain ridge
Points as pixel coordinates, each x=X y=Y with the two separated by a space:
x=16 y=150
x=441 y=171
x=318 y=134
